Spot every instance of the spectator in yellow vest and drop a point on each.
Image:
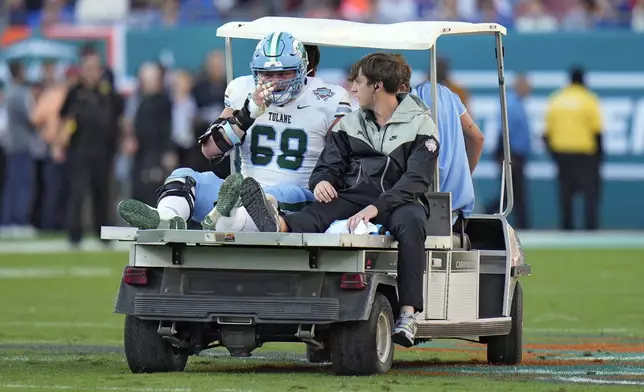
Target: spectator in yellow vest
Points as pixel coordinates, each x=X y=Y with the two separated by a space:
x=573 y=136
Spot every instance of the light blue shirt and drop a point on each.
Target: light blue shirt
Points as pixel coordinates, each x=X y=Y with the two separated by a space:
x=518 y=125
x=454 y=168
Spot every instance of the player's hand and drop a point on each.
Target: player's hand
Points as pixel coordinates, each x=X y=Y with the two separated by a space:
x=324 y=192
x=262 y=92
x=209 y=149
x=367 y=214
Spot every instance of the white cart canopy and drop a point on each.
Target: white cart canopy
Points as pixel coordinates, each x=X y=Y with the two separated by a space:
x=330 y=32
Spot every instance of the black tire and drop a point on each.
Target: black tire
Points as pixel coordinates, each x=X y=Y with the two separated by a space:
x=318 y=356
x=354 y=348
x=147 y=352
x=508 y=350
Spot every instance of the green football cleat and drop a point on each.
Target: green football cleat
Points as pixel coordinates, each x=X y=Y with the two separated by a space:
x=138 y=214
x=228 y=200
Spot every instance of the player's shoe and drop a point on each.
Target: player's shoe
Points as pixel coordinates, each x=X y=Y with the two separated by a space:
x=140 y=215
x=405 y=330
x=239 y=220
x=262 y=210
x=271 y=199
x=227 y=200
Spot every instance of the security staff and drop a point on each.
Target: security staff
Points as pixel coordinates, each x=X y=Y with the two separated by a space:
x=90 y=115
x=573 y=136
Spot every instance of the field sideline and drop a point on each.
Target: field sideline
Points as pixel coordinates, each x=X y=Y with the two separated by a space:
x=583 y=332
x=529 y=239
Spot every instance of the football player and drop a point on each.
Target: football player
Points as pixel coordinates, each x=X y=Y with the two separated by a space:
x=279 y=116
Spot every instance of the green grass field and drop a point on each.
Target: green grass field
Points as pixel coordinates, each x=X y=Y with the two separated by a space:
x=583 y=328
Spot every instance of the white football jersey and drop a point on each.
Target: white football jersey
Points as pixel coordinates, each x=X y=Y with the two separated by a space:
x=284 y=143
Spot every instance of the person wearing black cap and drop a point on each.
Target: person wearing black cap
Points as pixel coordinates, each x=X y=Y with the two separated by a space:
x=90 y=115
x=573 y=136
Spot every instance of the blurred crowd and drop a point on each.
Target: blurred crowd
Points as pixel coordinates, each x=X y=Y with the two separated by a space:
x=57 y=174
x=125 y=146
x=119 y=146
x=522 y=15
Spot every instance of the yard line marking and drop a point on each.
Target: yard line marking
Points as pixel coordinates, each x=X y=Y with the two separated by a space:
x=41 y=358
x=616 y=358
x=67 y=387
x=59 y=246
x=132 y=389
x=62 y=324
x=38 y=272
x=549 y=371
x=581 y=380
x=530 y=239
x=583 y=331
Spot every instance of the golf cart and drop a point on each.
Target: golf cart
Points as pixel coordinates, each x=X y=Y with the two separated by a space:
x=184 y=291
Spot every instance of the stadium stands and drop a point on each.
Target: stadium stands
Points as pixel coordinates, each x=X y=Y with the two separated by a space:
x=524 y=15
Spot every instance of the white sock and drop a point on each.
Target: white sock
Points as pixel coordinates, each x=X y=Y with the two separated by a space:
x=238 y=221
x=172 y=206
x=249 y=225
x=234 y=222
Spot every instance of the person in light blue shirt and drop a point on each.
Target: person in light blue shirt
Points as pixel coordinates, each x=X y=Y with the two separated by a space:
x=518 y=123
x=520 y=146
x=461 y=146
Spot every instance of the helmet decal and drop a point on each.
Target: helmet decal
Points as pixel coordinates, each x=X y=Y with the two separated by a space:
x=299 y=48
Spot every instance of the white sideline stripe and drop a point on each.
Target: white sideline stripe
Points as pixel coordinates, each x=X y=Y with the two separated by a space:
x=604 y=358
x=586 y=380
x=57 y=246
x=531 y=239
x=582 y=331
x=40 y=358
x=73 y=387
x=62 y=324
x=578 y=240
x=132 y=389
x=76 y=272
x=548 y=371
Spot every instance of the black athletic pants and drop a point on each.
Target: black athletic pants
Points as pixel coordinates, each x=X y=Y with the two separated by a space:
x=579 y=173
x=406 y=223
x=88 y=176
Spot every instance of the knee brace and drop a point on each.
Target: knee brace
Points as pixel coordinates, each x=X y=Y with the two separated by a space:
x=181 y=187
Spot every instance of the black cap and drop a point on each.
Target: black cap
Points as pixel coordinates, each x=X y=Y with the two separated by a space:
x=577 y=75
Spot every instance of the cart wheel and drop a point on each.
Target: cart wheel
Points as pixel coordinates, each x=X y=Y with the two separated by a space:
x=147 y=352
x=364 y=347
x=508 y=350
x=318 y=355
